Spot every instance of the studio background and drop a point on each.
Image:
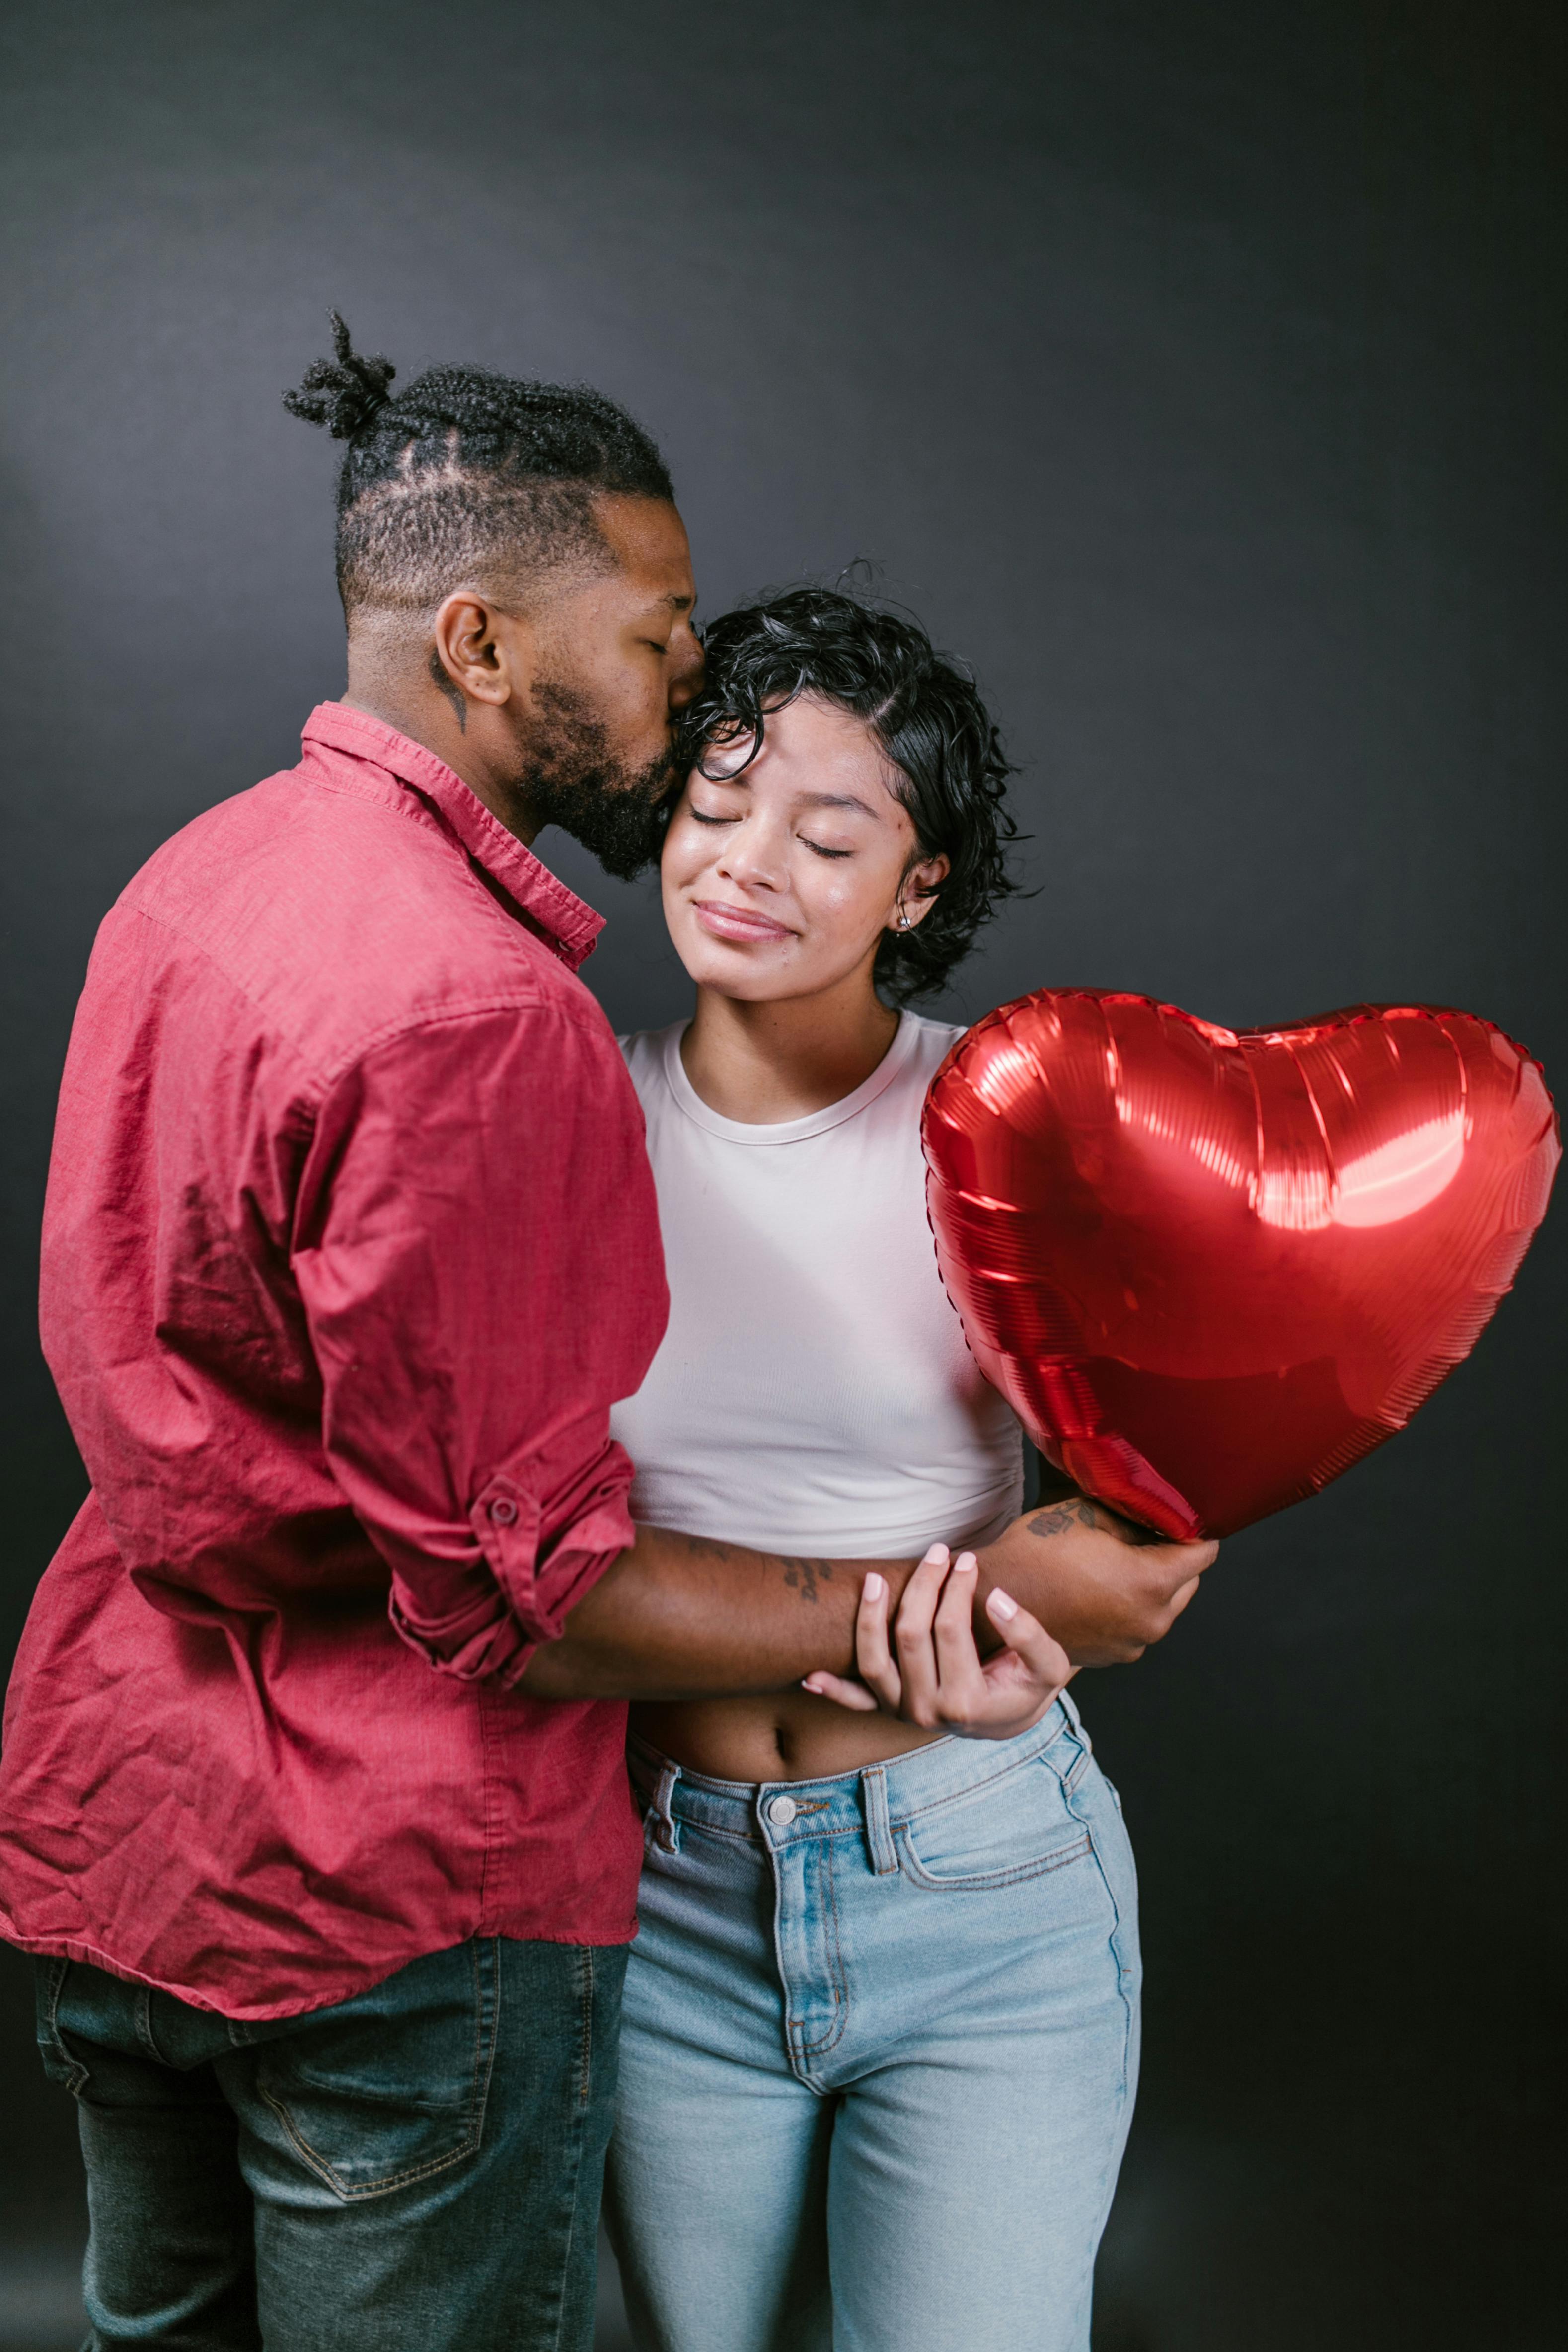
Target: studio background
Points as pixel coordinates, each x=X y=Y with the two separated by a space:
x=1197 y=371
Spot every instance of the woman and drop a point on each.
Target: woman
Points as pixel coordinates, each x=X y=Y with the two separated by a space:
x=881 y=2019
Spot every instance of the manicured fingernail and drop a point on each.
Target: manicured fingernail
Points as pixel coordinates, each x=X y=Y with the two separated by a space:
x=813 y=1685
x=873 y=1587
x=937 y=1551
x=965 y=1564
x=1000 y=1607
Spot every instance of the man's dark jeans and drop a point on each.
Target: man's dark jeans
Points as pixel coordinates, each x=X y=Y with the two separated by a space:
x=417 y=2167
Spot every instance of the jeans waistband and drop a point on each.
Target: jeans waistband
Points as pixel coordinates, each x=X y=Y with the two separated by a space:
x=871 y=1801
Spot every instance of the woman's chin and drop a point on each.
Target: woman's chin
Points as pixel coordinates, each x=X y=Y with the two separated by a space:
x=753 y=971
x=745 y=986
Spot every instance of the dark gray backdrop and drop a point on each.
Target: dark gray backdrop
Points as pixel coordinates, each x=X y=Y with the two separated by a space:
x=1197 y=367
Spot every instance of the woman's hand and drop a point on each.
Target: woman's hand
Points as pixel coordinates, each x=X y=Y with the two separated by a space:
x=939 y=1681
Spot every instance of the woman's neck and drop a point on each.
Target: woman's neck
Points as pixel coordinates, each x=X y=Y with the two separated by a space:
x=763 y=1064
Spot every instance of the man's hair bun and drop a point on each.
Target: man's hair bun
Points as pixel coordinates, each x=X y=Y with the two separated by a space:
x=466 y=478
x=344 y=394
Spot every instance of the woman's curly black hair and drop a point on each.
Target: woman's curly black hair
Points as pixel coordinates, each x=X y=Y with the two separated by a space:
x=926 y=713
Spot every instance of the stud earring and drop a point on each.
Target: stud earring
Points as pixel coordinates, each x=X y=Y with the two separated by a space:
x=903 y=923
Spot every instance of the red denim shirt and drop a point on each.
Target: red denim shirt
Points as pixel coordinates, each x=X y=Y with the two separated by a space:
x=350 y=1244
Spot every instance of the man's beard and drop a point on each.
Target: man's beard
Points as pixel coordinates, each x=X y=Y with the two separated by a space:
x=575 y=781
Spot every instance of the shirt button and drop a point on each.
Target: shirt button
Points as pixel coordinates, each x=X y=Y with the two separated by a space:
x=503 y=1510
x=781 y=1812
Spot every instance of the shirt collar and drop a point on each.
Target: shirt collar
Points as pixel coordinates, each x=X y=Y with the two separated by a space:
x=570 y=925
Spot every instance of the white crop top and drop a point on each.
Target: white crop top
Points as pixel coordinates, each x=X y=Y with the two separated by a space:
x=813 y=1391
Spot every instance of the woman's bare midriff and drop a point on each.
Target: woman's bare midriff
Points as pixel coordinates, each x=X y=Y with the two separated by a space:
x=787 y=1736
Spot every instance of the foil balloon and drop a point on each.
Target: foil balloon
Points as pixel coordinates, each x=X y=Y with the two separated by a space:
x=1210 y=1270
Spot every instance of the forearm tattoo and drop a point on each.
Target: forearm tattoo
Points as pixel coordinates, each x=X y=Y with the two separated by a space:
x=1083 y=1512
x=801 y=1575
x=1056 y=1521
x=705 y=1549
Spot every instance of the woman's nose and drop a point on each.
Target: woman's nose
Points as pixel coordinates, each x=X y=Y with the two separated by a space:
x=751 y=858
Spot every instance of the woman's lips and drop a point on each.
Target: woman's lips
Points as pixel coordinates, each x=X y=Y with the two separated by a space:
x=728 y=922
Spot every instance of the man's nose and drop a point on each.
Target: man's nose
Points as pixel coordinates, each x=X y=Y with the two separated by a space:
x=686 y=677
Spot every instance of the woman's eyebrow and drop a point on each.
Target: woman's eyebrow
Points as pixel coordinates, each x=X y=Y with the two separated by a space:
x=835 y=800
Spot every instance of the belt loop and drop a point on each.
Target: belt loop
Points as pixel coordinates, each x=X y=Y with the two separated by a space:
x=1080 y=1764
x=665 y=1835
x=878 y=1828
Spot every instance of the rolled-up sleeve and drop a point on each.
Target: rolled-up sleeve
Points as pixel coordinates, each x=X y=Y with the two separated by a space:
x=476 y=1250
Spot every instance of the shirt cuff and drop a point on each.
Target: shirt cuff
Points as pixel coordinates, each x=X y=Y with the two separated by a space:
x=533 y=1584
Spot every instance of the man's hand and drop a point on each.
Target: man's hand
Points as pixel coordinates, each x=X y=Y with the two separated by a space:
x=1105 y=1588
x=939 y=1681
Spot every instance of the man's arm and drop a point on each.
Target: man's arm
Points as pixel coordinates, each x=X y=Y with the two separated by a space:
x=1105 y=1589
x=677 y=1617
x=475 y=1248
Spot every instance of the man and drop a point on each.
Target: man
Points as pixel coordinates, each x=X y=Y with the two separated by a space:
x=313 y=1798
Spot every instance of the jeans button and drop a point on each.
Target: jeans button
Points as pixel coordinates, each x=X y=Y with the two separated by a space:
x=781 y=1812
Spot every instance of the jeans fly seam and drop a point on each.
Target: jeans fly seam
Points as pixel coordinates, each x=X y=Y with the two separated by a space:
x=836 y=1984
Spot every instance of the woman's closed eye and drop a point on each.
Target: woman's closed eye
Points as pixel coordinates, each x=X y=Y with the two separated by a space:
x=821 y=848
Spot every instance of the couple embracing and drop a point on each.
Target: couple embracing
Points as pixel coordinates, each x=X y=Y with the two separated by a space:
x=448 y=1374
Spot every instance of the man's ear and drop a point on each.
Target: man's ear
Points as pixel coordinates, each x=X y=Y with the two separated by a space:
x=486 y=654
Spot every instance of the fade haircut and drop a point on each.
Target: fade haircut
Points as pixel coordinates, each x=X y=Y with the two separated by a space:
x=468 y=479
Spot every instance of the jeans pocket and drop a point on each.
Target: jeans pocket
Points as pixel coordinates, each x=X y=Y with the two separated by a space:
x=59 y=2064
x=385 y=2089
x=1014 y=1827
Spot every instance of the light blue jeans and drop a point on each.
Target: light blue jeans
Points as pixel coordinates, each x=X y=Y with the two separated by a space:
x=878 y=2054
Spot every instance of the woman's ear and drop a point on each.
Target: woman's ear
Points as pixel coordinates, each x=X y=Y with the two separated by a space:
x=915 y=898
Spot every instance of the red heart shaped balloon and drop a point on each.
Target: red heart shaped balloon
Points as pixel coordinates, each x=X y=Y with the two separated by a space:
x=1210 y=1271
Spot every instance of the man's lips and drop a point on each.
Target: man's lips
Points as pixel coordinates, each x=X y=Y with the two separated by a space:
x=730 y=922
